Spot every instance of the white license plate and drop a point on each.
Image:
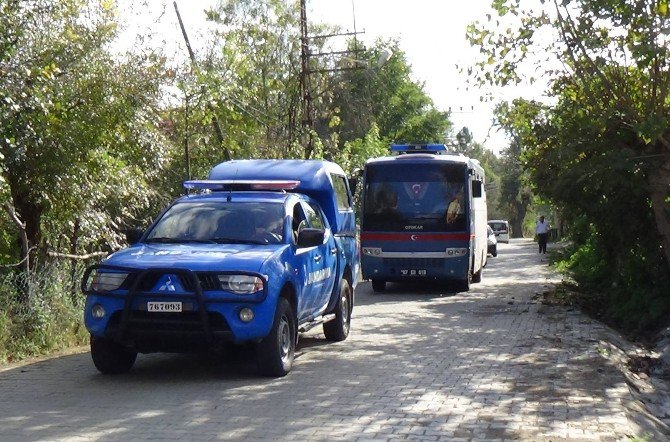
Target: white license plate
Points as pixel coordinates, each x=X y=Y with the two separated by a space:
x=413 y=272
x=170 y=307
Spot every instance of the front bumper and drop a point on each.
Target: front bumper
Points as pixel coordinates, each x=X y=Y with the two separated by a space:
x=208 y=318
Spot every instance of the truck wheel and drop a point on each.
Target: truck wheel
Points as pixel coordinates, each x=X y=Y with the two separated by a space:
x=110 y=357
x=494 y=253
x=378 y=285
x=275 y=353
x=338 y=328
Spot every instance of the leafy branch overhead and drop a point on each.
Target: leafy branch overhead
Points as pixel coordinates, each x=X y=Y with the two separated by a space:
x=599 y=147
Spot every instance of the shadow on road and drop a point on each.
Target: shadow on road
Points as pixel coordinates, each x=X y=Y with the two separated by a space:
x=420 y=363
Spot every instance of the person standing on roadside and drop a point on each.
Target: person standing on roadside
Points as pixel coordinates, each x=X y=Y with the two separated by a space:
x=542 y=231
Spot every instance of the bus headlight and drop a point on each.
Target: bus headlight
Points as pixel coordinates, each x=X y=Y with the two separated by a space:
x=372 y=251
x=241 y=284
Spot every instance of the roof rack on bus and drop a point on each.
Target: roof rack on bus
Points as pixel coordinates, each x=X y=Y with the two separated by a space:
x=418 y=148
x=280 y=185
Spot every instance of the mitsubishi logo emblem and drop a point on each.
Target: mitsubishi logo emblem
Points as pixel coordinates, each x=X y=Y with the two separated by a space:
x=168 y=286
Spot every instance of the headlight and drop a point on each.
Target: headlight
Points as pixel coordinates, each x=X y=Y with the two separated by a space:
x=372 y=251
x=241 y=284
x=106 y=281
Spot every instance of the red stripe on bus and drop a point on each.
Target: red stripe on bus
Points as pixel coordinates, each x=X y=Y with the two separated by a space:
x=369 y=236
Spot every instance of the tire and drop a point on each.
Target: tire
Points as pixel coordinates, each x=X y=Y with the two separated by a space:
x=494 y=253
x=464 y=284
x=275 y=353
x=477 y=277
x=378 y=285
x=110 y=357
x=338 y=328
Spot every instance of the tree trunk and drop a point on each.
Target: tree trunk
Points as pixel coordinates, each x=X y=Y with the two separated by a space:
x=659 y=191
x=24 y=287
x=516 y=221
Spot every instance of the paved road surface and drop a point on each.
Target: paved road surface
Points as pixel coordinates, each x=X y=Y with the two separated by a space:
x=421 y=363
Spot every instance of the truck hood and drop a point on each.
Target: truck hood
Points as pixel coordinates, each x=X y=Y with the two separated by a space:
x=196 y=257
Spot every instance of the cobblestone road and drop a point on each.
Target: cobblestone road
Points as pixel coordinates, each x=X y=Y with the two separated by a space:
x=420 y=364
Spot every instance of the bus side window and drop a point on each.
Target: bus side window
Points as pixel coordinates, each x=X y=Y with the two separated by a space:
x=477 y=189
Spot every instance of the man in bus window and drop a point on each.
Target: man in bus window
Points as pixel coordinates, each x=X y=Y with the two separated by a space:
x=454 y=208
x=389 y=203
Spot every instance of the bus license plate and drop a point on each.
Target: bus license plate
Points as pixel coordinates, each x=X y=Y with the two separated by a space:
x=170 y=307
x=413 y=272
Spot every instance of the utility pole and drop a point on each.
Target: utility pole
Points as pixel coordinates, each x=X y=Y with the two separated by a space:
x=305 y=94
x=307 y=119
x=215 y=120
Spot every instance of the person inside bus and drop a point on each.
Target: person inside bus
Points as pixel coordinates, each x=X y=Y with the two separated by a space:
x=388 y=202
x=455 y=207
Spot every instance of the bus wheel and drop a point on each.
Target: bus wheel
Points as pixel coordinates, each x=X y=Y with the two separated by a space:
x=477 y=277
x=464 y=284
x=378 y=285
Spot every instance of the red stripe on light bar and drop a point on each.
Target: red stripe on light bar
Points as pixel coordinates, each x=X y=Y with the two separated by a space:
x=253 y=184
x=370 y=236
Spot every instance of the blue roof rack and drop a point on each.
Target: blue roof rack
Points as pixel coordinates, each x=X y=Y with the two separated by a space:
x=418 y=148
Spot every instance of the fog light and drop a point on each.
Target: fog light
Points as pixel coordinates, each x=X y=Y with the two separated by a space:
x=98 y=311
x=246 y=314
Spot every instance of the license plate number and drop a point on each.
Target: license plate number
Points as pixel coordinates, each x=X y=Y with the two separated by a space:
x=413 y=272
x=171 y=307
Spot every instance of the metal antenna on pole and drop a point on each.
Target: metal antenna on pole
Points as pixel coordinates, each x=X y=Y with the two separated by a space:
x=215 y=120
x=305 y=71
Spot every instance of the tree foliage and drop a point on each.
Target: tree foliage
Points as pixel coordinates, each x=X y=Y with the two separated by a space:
x=78 y=139
x=601 y=151
x=387 y=97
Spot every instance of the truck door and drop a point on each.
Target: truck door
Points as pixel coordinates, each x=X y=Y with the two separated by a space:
x=324 y=273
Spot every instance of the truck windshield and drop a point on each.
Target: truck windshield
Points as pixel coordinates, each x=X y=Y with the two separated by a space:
x=410 y=196
x=220 y=222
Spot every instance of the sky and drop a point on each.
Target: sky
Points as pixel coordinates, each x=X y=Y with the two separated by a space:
x=430 y=32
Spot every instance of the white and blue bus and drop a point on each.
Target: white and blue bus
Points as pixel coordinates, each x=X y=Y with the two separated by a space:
x=423 y=217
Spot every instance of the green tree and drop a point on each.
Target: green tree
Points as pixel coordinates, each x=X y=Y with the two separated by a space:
x=387 y=96
x=78 y=142
x=516 y=195
x=612 y=61
x=600 y=152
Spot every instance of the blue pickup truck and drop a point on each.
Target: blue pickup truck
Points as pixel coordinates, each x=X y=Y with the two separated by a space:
x=261 y=251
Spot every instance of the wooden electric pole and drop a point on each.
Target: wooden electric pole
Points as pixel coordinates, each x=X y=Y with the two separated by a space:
x=215 y=120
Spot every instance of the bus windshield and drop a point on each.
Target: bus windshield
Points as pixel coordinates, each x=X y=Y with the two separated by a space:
x=415 y=197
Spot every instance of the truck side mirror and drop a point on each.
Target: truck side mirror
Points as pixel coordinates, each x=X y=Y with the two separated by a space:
x=309 y=237
x=133 y=236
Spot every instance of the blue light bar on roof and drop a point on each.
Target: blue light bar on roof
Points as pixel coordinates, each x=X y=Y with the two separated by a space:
x=418 y=148
x=250 y=184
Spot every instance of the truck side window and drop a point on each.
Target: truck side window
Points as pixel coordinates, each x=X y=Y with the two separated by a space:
x=341 y=192
x=299 y=221
x=314 y=217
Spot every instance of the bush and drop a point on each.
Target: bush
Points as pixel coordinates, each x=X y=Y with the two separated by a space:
x=49 y=320
x=627 y=288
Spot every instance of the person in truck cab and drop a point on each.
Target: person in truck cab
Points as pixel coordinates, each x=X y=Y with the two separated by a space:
x=267 y=226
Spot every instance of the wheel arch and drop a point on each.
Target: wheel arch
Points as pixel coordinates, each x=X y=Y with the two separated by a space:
x=288 y=292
